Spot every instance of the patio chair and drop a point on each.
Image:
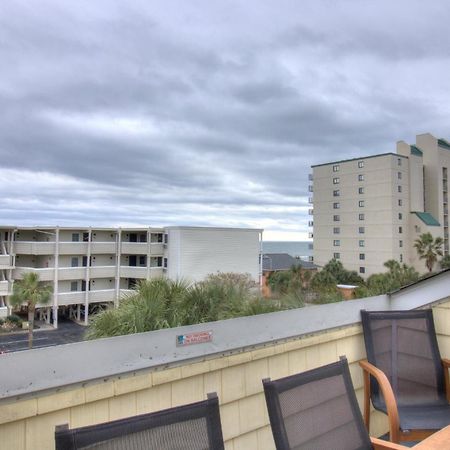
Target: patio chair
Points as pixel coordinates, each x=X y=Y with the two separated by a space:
x=318 y=410
x=404 y=375
x=195 y=426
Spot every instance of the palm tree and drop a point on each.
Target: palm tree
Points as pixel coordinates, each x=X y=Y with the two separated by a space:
x=30 y=291
x=429 y=248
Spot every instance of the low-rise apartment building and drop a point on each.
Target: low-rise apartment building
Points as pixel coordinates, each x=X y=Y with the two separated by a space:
x=88 y=266
x=371 y=209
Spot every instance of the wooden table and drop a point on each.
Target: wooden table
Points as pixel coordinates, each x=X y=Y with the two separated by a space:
x=437 y=441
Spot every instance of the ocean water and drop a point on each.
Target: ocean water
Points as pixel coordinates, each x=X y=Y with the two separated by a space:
x=294 y=248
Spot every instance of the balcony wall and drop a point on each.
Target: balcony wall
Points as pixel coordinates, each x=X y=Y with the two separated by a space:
x=232 y=365
x=5 y=262
x=98 y=248
x=134 y=248
x=133 y=272
x=5 y=288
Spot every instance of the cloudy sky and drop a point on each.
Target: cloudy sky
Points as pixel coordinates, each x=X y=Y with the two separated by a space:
x=206 y=113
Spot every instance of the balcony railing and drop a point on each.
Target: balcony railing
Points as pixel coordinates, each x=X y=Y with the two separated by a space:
x=5 y=262
x=5 y=288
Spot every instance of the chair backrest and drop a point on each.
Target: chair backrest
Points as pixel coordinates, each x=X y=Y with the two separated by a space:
x=316 y=409
x=403 y=345
x=195 y=426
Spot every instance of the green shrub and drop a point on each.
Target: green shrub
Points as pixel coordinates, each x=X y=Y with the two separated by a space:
x=15 y=319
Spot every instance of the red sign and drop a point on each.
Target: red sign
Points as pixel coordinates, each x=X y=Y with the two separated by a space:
x=198 y=337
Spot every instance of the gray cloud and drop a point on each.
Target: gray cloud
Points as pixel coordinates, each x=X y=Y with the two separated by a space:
x=203 y=113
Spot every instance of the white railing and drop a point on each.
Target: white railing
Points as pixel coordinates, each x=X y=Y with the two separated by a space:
x=4 y=288
x=5 y=261
x=134 y=248
x=133 y=272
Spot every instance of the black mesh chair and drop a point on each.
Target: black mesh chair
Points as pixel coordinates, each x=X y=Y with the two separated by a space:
x=404 y=375
x=318 y=410
x=195 y=426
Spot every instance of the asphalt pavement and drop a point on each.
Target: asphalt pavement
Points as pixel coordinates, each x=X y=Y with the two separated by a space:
x=67 y=333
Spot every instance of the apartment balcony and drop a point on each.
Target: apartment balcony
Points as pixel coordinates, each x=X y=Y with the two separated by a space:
x=133 y=272
x=102 y=271
x=5 y=262
x=76 y=297
x=34 y=248
x=5 y=288
x=103 y=248
x=45 y=274
x=134 y=248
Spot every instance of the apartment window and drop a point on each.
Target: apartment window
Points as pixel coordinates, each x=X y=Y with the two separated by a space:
x=399 y=161
x=400 y=216
x=336 y=193
x=401 y=258
x=399 y=175
x=166 y=238
x=336 y=205
x=400 y=243
x=85 y=237
x=360 y=164
x=362 y=256
x=336 y=218
x=362 y=270
x=400 y=202
x=165 y=260
x=361 y=203
x=361 y=216
x=361 y=230
x=360 y=177
x=336 y=230
x=336 y=242
x=399 y=188
x=336 y=180
x=143 y=260
x=400 y=230
x=336 y=168
x=74 y=286
x=361 y=243
x=74 y=261
x=75 y=237
x=360 y=190
x=336 y=255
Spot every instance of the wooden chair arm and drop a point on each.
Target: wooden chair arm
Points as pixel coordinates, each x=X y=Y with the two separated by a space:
x=388 y=395
x=446 y=364
x=378 y=444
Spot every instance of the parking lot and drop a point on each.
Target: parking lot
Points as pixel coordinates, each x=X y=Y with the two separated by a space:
x=67 y=333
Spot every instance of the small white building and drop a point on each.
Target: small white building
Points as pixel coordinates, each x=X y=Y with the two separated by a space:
x=87 y=266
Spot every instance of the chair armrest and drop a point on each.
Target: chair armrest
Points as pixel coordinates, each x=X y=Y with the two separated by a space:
x=389 y=398
x=378 y=444
x=446 y=364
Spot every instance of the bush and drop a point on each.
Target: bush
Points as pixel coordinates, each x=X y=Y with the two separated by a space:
x=15 y=319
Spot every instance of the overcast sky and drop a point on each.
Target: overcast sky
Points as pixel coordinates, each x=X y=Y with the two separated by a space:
x=206 y=113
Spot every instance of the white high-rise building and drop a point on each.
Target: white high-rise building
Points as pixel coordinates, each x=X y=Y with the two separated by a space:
x=87 y=266
x=371 y=209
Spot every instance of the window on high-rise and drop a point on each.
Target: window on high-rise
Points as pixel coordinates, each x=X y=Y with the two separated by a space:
x=361 y=217
x=399 y=175
x=336 y=218
x=400 y=216
x=336 y=255
x=361 y=230
x=362 y=270
x=401 y=258
x=336 y=230
x=360 y=177
x=336 y=193
x=400 y=230
x=362 y=256
x=399 y=161
x=336 y=180
x=336 y=168
x=400 y=243
x=361 y=203
x=399 y=188
x=360 y=190
x=336 y=242
x=360 y=164
x=400 y=202
x=336 y=205
x=361 y=243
